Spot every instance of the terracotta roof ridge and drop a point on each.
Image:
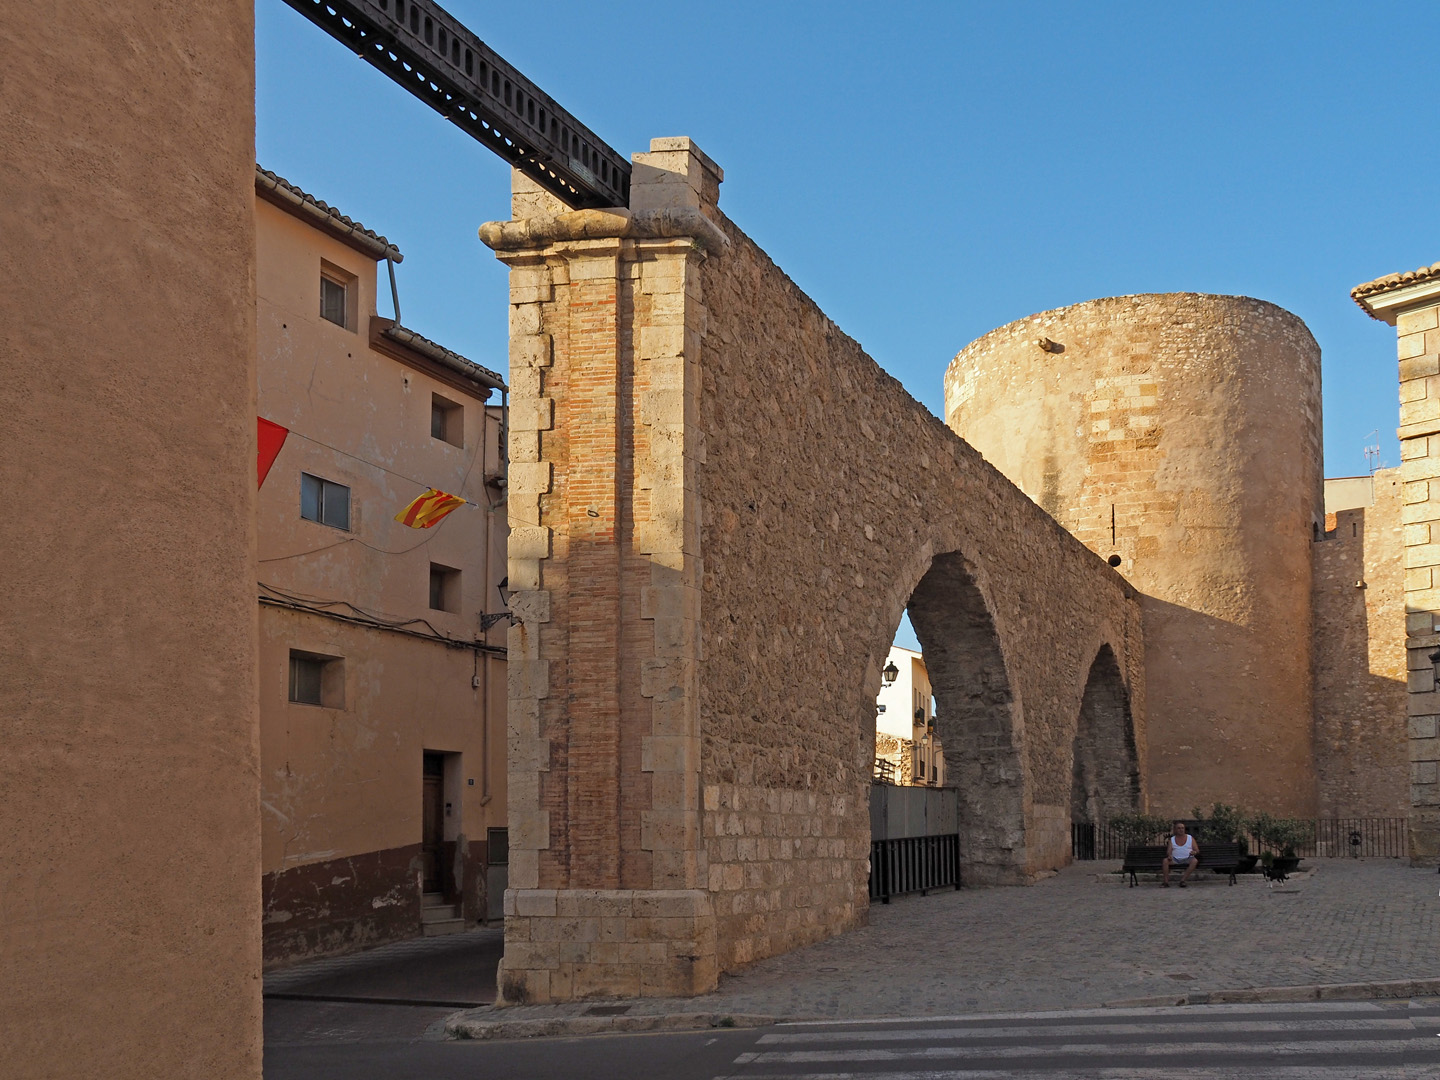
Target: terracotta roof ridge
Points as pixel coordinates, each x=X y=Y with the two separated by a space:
x=449 y=357
x=288 y=195
x=1395 y=281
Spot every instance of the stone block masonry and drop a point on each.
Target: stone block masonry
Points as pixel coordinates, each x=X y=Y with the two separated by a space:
x=1179 y=434
x=726 y=507
x=1411 y=303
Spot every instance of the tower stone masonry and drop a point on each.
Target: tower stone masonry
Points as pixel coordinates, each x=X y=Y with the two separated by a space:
x=1178 y=435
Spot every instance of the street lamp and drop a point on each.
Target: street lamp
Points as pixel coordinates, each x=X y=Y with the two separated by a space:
x=489 y=620
x=891 y=672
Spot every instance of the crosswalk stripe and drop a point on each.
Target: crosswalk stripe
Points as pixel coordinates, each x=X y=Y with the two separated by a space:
x=1183 y=1072
x=1142 y=1012
x=1040 y=1030
x=1390 y=1047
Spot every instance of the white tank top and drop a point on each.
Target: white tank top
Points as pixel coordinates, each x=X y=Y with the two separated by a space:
x=1181 y=851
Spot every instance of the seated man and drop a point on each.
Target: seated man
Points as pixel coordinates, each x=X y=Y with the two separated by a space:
x=1181 y=850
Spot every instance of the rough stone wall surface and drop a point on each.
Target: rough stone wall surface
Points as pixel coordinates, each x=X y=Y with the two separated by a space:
x=1181 y=433
x=130 y=873
x=831 y=499
x=1360 y=675
x=720 y=507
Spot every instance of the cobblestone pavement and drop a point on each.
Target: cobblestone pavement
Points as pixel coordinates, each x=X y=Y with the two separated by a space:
x=1071 y=941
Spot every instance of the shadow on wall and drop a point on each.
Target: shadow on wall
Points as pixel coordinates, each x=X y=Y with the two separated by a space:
x=1361 y=762
x=1191 y=755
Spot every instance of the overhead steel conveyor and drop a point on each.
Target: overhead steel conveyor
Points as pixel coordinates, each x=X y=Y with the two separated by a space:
x=436 y=57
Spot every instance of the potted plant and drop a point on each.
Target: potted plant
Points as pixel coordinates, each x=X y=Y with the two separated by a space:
x=1280 y=836
x=1229 y=824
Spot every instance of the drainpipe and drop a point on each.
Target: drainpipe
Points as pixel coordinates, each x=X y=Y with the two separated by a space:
x=394 y=292
x=485 y=631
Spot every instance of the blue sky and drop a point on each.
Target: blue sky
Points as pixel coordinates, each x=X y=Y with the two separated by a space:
x=928 y=172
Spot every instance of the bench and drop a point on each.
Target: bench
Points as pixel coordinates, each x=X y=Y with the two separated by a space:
x=1149 y=859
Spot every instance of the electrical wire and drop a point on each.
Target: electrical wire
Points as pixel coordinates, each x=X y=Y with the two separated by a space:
x=487 y=506
x=316 y=606
x=392 y=472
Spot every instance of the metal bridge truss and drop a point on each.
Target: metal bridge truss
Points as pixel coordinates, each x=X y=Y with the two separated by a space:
x=434 y=56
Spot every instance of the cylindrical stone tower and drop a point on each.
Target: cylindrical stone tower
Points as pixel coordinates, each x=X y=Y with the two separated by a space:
x=1179 y=436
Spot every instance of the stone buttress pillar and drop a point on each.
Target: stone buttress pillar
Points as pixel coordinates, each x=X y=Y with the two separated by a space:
x=1411 y=303
x=608 y=877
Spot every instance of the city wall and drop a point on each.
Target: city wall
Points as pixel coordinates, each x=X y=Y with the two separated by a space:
x=1361 y=764
x=130 y=874
x=720 y=508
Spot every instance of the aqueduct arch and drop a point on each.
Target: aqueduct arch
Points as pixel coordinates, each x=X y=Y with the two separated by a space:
x=719 y=508
x=976 y=713
x=1106 y=770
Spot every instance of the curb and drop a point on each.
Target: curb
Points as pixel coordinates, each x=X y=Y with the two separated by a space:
x=1362 y=991
x=465 y=1026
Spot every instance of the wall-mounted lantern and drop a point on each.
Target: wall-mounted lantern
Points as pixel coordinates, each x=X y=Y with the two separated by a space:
x=891 y=672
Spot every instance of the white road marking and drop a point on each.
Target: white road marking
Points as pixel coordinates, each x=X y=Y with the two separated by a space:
x=1387 y=1048
x=921 y=1034
x=1207 y=1072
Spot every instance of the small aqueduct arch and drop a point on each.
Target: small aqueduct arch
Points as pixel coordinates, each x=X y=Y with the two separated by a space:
x=1105 y=769
x=976 y=714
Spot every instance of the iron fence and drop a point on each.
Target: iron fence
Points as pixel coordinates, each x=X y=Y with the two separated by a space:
x=913 y=864
x=1366 y=838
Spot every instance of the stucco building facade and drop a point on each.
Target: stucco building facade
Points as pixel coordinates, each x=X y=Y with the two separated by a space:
x=382 y=689
x=129 y=748
x=905 y=736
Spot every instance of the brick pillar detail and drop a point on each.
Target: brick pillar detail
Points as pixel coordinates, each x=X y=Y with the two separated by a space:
x=608 y=878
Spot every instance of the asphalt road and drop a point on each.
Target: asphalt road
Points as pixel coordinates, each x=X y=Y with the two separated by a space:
x=1321 y=1041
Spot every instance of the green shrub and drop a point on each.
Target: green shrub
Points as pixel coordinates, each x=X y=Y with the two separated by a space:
x=1282 y=834
x=1140 y=828
x=1225 y=824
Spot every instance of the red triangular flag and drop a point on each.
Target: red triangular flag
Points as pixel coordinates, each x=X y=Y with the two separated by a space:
x=271 y=439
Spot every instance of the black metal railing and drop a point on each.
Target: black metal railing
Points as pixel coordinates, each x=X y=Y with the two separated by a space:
x=1366 y=838
x=913 y=864
x=437 y=58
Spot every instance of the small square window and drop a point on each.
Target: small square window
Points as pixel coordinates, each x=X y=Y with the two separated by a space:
x=332 y=301
x=324 y=501
x=447 y=420
x=444 y=588
x=316 y=679
x=339 y=293
x=497 y=847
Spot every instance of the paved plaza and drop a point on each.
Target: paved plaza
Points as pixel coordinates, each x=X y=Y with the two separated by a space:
x=1073 y=941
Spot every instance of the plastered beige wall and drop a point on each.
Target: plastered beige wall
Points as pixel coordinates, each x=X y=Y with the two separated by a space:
x=342 y=786
x=130 y=873
x=1195 y=421
x=1360 y=674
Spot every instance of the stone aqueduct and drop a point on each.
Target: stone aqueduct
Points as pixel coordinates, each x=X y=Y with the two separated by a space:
x=720 y=508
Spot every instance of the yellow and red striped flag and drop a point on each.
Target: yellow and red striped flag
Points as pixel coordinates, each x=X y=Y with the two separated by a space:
x=428 y=509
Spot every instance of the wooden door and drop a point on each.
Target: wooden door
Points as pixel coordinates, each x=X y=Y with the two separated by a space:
x=433 y=838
